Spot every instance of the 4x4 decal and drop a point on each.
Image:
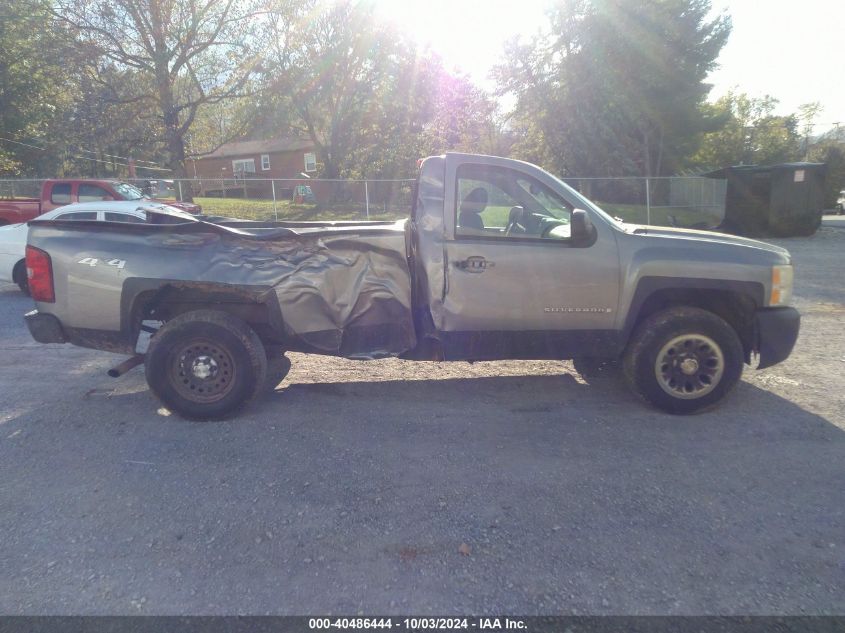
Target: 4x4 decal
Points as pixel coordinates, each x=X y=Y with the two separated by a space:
x=93 y=261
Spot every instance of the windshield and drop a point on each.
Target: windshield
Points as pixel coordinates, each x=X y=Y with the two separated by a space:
x=127 y=191
x=587 y=204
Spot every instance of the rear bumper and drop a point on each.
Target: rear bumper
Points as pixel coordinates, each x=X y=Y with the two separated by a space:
x=777 y=331
x=45 y=328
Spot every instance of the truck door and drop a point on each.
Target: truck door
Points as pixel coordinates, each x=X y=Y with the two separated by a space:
x=517 y=284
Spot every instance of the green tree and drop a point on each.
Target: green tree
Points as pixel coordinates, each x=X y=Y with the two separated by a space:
x=614 y=87
x=830 y=149
x=98 y=131
x=427 y=111
x=57 y=116
x=362 y=92
x=33 y=90
x=181 y=55
x=461 y=116
x=807 y=114
x=748 y=133
x=328 y=74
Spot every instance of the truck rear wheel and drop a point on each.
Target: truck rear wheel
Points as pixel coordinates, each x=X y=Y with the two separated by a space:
x=205 y=365
x=683 y=359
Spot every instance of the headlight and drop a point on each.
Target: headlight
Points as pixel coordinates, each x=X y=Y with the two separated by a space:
x=781 y=294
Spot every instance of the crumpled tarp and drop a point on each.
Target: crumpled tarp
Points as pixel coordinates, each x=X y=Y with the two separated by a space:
x=343 y=290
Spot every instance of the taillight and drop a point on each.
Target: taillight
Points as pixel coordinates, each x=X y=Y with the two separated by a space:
x=39 y=275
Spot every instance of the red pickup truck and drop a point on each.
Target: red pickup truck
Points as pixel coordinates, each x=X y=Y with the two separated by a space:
x=59 y=192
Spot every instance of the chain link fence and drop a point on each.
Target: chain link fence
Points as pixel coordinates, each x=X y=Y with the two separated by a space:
x=14 y=189
x=289 y=199
x=684 y=201
x=259 y=199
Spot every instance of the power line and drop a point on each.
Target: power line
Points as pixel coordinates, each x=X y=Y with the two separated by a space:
x=137 y=160
x=87 y=151
x=96 y=160
x=24 y=144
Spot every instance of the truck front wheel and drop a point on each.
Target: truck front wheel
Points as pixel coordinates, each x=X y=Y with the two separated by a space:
x=683 y=359
x=205 y=365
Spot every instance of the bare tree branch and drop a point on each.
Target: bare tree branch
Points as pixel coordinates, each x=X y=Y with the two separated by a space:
x=185 y=54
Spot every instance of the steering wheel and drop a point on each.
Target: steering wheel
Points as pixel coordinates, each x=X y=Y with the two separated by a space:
x=514 y=218
x=550 y=226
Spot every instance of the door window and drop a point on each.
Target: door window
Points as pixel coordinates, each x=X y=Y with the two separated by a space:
x=93 y=193
x=60 y=193
x=498 y=202
x=123 y=217
x=78 y=215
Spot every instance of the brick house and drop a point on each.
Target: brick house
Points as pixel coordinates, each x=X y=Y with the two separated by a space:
x=238 y=168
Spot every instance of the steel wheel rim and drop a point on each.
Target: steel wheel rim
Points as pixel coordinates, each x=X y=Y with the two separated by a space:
x=201 y=371
x=689 y=366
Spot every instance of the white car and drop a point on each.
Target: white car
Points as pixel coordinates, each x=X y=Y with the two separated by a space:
x=13 y=237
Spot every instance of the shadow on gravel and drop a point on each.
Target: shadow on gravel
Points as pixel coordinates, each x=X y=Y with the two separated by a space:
x=569 y=494
x=341 y=496
x=13 y=305
x=525 y=399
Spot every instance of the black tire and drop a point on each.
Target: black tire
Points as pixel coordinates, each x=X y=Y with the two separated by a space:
x=19 y=276
x=215 y=343
x=806 y=230
x=701 y=359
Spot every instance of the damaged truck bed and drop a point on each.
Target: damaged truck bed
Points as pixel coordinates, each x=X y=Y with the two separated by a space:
x=498 y=259
x=326 y=288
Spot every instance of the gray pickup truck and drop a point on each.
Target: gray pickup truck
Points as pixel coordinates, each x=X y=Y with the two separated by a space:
x=499 y=260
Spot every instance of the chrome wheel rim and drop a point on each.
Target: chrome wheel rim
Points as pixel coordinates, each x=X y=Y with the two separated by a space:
x=201 y=371
x=689 y=366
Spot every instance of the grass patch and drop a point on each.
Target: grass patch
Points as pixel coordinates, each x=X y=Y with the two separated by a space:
x=493 y=216
x=251 y=209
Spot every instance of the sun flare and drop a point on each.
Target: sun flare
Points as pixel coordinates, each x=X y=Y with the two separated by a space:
x=467 y=34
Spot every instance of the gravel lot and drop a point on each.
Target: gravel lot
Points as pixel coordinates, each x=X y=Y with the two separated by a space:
x=352 y=486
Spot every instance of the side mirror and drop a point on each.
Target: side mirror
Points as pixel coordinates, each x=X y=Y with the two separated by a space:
x=581 y=228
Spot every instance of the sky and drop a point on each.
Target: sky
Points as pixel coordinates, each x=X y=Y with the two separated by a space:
x=791 y=50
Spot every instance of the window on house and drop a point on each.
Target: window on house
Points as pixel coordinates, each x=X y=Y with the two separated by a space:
x=265 y=162
x=310 y=162
x=243 y=167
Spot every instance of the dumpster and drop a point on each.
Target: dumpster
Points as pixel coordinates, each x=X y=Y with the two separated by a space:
x=778 y=200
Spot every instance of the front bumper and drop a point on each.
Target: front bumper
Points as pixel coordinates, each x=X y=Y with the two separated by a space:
x=45 y=328
x=776 y=331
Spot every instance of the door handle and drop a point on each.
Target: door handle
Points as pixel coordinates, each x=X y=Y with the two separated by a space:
x=474 y=264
